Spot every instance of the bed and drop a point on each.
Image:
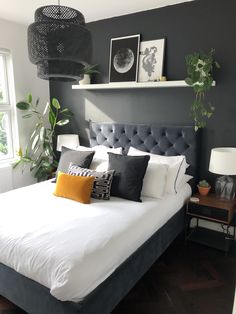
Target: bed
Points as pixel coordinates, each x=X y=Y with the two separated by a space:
x=102 y=298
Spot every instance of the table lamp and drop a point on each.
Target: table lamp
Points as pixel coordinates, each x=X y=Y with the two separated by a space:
x=68 y=140
x=223 y=162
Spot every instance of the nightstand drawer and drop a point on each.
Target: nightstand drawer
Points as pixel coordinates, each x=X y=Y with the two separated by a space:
x=208 y=212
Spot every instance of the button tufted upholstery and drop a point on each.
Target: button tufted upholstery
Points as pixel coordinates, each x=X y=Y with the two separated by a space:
x=163 y=140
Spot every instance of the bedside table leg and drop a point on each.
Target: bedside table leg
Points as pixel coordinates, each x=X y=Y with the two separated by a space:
x=197 y=222
x=228 y=238
x=187 y=227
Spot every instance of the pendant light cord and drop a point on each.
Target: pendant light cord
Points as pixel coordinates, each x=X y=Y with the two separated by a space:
x=59 y=4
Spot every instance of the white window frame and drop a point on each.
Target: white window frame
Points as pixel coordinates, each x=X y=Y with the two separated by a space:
x=9 y=108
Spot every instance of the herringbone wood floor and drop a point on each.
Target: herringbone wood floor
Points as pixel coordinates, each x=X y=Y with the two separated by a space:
x=190 y=279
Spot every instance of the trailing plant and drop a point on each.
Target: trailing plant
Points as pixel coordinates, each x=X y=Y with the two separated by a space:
x=199 y=69
x=39 y=152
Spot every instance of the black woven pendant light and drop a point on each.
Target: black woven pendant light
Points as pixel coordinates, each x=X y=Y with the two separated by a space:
x=58 y=43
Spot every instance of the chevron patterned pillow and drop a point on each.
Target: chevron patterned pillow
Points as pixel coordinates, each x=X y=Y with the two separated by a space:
x=102 y=183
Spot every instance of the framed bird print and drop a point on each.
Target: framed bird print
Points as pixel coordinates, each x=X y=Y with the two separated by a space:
x=151 y=58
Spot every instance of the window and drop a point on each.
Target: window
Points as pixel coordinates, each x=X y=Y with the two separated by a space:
x=7 y=109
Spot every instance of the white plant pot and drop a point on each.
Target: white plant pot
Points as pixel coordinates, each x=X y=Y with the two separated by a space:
x=86 y=80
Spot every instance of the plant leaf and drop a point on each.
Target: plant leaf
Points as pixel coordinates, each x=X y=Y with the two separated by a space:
x=63 y=122
x=47 y=148
x=56 y=103
x=26 y=159
x=16 y=164
x=52 y=118
x=217 y=65
x=189 y=81
x=67 y=112
x=55 y=163
x=37 y=102
x=90 y=69
x=42 y=133
x=20 y=153
x=33 y=134
x=46 y=164
x=29 y=115
x=35 y=141
x=22 y=105
x=46 y=108
x=29 y=98
x=36 y=149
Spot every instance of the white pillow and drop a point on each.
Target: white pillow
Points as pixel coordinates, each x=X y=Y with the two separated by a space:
x=83 y=148
x=100 y=158
x=183 y=181
x=177 y=166
x=154 y=181
x=101 y=151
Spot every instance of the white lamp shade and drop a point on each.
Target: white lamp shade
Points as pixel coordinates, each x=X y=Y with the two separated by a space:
x=223 y=160
x=67 y=140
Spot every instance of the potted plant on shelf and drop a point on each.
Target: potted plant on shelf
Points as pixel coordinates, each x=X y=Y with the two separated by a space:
x=39 y=152
x=203 y=187
x=87 y=72
x=199 y=68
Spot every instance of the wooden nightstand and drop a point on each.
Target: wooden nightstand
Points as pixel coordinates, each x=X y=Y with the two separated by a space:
x=213 y=209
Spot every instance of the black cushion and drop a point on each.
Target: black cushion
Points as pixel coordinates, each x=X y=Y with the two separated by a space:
x=81 y=158
x=128 y=178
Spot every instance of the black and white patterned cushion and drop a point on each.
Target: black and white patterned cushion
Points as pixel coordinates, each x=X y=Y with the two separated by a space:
x=102 y=183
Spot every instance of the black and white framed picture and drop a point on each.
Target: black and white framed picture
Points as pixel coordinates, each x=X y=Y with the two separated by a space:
x=124 y=57
x=151 y=57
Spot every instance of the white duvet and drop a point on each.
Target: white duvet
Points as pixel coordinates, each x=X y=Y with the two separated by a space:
x=71 y=247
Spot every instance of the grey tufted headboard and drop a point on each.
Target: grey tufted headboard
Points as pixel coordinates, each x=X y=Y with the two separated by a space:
x=163 y=140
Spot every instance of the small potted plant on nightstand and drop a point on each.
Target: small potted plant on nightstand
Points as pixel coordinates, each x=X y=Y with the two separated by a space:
x=87 y=73
x=203 y=187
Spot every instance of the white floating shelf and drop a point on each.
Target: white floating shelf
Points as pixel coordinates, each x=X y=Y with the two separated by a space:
x=130 y=85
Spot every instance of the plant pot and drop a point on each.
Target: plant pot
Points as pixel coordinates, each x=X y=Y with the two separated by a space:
x=86 y=80
x=203 y=190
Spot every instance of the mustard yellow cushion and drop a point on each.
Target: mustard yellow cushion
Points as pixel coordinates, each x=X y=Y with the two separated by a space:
x=77 y=188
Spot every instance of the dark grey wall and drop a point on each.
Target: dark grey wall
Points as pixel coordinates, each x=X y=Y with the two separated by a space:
x=188 y=27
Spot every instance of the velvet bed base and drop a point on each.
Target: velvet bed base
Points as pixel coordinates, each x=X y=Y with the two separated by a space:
x=166 y=140
x=36 y=299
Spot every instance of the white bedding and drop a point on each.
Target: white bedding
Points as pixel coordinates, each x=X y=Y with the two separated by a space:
x=71 y=247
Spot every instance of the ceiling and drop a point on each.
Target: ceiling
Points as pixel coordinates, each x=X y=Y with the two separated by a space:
x=22 y=11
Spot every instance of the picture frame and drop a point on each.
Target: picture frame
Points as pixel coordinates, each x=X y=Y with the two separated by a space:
x=151 y=60
x=124 y=58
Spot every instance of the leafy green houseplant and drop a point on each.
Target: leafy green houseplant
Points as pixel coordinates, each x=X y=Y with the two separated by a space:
x=203 y=187
x=199 y=69
x=39 y=152
x=87 y=72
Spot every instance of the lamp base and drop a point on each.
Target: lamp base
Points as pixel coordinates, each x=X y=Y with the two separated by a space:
x=225 y=188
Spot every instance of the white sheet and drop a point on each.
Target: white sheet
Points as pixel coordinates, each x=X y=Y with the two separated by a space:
x=71 y=247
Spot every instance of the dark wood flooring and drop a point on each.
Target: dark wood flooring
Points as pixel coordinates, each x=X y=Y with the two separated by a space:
x=190 y=279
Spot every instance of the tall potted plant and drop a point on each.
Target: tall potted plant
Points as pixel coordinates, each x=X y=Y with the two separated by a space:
x=39 y=152
x=199 y=69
